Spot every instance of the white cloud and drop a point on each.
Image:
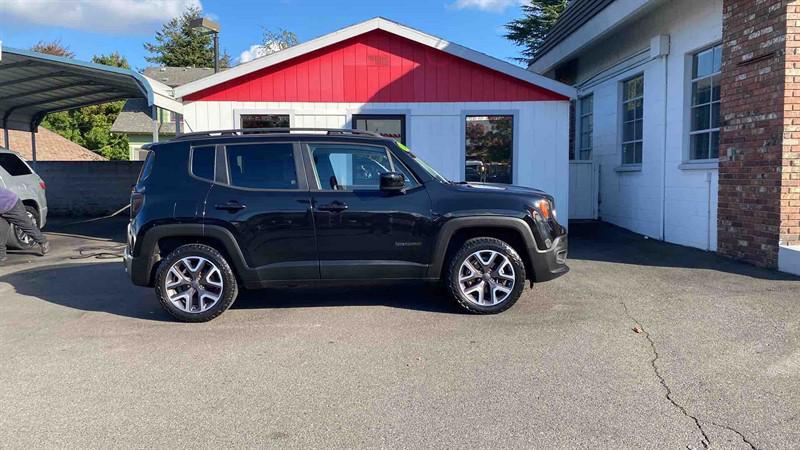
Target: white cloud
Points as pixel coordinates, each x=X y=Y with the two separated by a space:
x=487 y=5
x=115 y=16
x=258 y=50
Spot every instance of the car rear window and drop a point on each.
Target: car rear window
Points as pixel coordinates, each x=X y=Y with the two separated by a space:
x=203 y=159
x=262 y=166
x=13 y=165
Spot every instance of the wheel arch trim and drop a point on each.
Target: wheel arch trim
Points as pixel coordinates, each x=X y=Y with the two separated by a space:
x=196 y=230
x=452 y=226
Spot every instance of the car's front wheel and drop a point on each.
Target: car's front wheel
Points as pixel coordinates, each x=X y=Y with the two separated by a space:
x=486 y=276
x=195 y=283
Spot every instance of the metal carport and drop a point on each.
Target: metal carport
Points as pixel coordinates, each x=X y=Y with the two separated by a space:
x=33 y=85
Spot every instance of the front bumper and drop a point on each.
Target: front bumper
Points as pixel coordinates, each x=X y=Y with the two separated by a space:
x=551 y=263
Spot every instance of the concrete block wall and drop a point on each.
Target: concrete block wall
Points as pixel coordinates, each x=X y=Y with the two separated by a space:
x=87 y=188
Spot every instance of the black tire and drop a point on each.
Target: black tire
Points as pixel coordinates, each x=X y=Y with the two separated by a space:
x=14 y=241
x=230 y=287
x=475 y=245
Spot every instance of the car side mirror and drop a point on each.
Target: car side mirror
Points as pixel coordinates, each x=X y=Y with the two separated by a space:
x=393 y=182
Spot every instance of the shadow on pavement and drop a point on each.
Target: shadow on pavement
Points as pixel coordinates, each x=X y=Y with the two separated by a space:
x=105 y=287
x=600 y=241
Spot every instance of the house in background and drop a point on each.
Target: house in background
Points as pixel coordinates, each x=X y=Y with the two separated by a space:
x=686 y=127
x=50 y=146
x=471 y=116
x=136 y=118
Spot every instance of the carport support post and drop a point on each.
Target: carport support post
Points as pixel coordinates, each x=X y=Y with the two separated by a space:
x=33 y=145
x=155 y=123
x=5 y=138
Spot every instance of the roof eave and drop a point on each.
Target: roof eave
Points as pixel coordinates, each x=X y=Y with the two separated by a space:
x=613 y=15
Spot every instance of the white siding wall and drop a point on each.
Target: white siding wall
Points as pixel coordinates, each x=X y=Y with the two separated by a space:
x=635 y=199
x=433 y=130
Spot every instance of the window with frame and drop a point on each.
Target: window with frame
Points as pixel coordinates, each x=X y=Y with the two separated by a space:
x=704 y=108
x=264 y=121
x=352 y=167
x=632 y=120
x=586 y=120
x=490 y=149
x=262 y=166
x=392 y=126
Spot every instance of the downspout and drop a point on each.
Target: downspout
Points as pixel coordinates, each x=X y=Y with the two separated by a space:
x=664 y=156
x=662 y=44
x=708 y=212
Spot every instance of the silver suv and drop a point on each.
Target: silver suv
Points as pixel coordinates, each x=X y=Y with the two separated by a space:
x=17 y=176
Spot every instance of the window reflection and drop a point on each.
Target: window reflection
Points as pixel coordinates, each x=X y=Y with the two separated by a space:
x=490 y=148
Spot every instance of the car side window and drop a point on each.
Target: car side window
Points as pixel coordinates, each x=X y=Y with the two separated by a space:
x=13 y=165
x=411 y=182
x=262 y=166
x=345 y=167
x=203 y=162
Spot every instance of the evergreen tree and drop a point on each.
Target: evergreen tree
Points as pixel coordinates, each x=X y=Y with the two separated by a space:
x=530 y=30
x=177 y=44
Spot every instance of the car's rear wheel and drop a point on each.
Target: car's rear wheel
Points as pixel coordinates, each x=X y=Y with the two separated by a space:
x=195 y=283
x=20 y=240
x=486 y=276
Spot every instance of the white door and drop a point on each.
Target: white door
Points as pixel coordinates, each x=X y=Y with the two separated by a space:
x=583 y=180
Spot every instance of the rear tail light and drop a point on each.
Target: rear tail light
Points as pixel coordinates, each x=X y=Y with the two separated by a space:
x=137 y=201
x=42 y=185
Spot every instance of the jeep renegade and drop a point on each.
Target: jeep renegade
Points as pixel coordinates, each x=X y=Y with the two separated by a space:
x=216 y=211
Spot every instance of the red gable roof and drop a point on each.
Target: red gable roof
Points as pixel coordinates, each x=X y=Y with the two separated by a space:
x=376 y=66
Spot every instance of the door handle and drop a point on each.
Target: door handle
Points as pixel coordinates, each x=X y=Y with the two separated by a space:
x=336 y=206
x=231 y=206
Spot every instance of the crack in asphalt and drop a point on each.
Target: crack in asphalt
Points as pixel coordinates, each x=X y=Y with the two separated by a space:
x=741 y=436
x=705 y=441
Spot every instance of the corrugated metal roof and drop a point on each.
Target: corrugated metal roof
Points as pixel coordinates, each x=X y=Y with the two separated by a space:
x=576 y=15
x=33 y=85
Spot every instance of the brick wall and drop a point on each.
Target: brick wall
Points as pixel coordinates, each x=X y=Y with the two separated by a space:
x=752 y=139
x=790 y=166
x=87 y=188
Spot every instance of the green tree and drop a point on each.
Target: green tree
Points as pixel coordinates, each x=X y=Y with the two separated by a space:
x=177 y=44
x=112 y=59
x=530 y=30
x=90 y=126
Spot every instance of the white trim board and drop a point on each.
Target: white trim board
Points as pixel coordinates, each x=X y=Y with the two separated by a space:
x=378 y=23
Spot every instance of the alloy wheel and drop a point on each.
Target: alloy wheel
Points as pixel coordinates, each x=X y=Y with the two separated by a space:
x=22 y=237
x=486 y=278
x=194 y=284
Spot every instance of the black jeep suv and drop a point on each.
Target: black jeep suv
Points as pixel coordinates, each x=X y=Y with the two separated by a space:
x=215 y=211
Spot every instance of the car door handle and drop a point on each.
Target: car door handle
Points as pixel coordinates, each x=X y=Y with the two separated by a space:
x=336 y=206
x=231 y=206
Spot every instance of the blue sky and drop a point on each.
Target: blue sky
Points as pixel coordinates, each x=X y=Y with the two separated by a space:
x=91 y=27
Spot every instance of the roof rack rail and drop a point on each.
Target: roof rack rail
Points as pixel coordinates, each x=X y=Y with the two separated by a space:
x=248 y=131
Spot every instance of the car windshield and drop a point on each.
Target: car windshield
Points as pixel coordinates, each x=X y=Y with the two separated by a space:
x=425 y=166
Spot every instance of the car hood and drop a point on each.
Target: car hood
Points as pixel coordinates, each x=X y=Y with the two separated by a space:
x=509 y=188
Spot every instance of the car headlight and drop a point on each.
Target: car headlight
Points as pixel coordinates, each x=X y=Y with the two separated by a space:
x=544 y=209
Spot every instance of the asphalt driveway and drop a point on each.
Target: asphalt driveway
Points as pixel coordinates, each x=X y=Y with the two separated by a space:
x=642 y=344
